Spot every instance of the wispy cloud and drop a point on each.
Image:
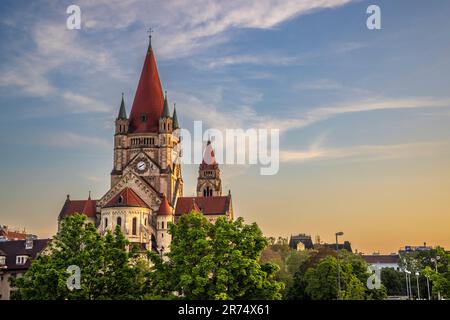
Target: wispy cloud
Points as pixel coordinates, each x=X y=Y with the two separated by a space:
x=365 y=152
x=250 y=118
x=71 y=140
x=275 y=60
x=79 y=103
x=198 y=24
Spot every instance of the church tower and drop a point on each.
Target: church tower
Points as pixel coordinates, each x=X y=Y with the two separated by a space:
x=209 y=183
x=146 y=192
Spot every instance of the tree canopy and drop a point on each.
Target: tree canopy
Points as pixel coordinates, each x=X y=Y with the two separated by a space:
x=214 y=261
x=107 y=269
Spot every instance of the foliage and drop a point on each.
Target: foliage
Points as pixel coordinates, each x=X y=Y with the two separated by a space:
x=214 y=261
x=106 y=271
x=316 y=278
x=435 y=264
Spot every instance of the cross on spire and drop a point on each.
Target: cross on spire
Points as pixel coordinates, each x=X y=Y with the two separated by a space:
x=150 y=31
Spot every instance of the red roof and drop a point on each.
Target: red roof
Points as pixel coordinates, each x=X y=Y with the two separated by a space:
x=209 y=158
x=165 y=209
x=12 y=235
x=207 y=205
x=126 y=198
x=393 y=258
x=149 y=99
x=87 y=207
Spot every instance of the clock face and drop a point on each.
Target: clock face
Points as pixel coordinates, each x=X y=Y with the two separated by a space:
x=141 y=166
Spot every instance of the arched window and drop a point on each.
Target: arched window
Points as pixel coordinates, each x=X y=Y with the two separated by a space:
x=162 y=224
x=145 y=221
x=106 y=223
x=134 y=227
x=119 y=221
x=204 y=192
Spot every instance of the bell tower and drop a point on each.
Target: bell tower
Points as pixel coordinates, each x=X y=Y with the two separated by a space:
x=209 y=183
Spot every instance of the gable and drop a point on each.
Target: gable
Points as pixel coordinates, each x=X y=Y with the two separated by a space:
x=148 y=194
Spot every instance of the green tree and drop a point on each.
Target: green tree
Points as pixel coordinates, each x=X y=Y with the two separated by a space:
x=214 y=261
x=321 y=281
x=107 y=270
x=394 y=281
x=354 y=289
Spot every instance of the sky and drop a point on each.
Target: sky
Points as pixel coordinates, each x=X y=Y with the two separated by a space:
x=364 y=114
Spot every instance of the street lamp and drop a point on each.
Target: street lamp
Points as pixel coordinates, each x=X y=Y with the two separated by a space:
x=418 y=289
x=428 y=286
x=408 y=282
x=340 y=233
x=436 y=267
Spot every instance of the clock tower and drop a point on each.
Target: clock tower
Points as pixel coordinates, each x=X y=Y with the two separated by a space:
x=145 y=162
x=146 y=192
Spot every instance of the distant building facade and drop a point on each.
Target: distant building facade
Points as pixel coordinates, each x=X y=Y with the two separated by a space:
x=8 y=234
x=382 y=261
x=301 y=242
x=15 y=259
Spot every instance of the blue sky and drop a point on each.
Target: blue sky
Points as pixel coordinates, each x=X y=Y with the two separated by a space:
x=368 y=107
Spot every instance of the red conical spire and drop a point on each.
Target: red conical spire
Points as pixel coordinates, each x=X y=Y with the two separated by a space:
x=209 y=158
x=149 y=100
x=164 y=208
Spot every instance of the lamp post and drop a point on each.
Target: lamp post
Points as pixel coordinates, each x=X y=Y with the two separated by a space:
x=436 y=267
x=406 y=279
x=428 y=286
x=408 y=283
x=340 y=233
x=418 y=289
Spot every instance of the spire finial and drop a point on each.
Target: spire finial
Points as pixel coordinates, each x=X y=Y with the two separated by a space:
x=89 y=198
x=150 y=31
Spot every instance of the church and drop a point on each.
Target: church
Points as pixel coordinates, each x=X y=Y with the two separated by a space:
x=146 y=192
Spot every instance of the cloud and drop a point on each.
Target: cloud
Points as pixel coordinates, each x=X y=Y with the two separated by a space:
x=71 y=140
x=198 y=24
x=245 y=116
x=364 y=152
x=81 y=103
x=274 y=60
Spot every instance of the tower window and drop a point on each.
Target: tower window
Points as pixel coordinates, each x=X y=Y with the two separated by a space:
x=162 y=224
x=120 y=200
x=119 y=221
x=106 y=223
x=143 y=117
x=134 y=227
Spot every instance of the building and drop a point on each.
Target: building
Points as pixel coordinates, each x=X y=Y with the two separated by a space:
x=146 y=190
x=301 y=242
x=15 y=259
x=332 y=246
x=7 y=234
x=408 y=249
x=380 y=261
